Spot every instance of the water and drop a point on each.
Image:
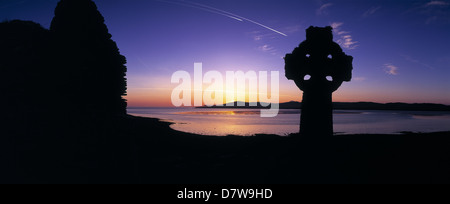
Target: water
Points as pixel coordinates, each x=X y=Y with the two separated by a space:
x=247 y=122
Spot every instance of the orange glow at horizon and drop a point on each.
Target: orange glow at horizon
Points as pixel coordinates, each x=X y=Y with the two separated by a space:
x=162 y=98
x=160 y=89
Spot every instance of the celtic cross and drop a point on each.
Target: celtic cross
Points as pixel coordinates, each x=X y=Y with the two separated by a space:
x=318 y=67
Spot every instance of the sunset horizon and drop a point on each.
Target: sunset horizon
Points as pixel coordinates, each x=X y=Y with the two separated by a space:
x=224 y=92
x=399 y=48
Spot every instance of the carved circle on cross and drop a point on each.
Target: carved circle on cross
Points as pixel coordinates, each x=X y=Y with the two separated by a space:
x=318 y=62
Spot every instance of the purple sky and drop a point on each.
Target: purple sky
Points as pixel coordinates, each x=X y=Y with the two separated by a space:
x=401 y=48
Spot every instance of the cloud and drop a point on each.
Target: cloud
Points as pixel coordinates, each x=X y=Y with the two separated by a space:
x=433 y=12
x=336 y=25
x=410 y=59
x=437 y=3
x=344 y=39
x=391 y=69
x=371 y=11
x=266 y=48
x=257 y=38
x=359 y=79
x=265 y=39
x=261 y=35
x=323 y=9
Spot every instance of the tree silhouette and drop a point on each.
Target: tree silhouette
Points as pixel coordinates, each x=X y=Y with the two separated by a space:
x=93 y=66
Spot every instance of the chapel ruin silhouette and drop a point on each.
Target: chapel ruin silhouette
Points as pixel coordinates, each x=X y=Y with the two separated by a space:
x=75 y=64
x=91 y=58
x=318 y=67
x=63 y=92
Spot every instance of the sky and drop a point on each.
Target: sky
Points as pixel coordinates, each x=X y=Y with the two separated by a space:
x=401 y=48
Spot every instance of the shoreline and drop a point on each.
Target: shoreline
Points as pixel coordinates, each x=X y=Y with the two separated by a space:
x=371 y=158
x=347 y=106
x=181 y=123
x=141 y=150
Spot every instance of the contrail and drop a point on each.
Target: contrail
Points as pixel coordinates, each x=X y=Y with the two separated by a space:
x=220 y=12
x=232 y=14
x=201 y=8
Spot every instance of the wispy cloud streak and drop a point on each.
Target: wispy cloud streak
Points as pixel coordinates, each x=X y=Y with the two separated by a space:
x=437 y=3
x=181 y=3
x=410 y=59
x=266 y=48
x=221 y=12
x=432 y=11
x=391 y=69
x=344 y=38
x=322 y=9
x=232 y=14
x=371 y=11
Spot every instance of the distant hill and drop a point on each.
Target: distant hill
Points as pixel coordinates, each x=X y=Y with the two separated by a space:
x=352 y=106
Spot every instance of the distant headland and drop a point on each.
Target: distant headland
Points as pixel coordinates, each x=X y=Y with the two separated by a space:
x=351 y=106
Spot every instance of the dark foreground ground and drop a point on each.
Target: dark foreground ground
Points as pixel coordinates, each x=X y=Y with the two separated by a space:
x=143 y=150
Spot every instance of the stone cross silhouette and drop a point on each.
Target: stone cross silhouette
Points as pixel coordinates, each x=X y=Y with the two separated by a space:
x=318 y=67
